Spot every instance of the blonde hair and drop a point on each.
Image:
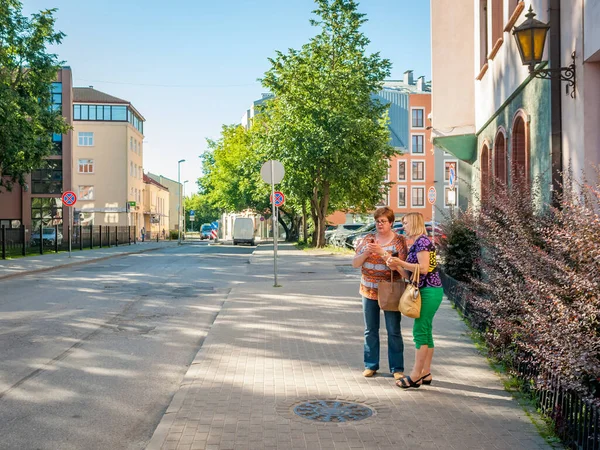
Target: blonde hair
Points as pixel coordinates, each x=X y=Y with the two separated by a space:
x=416 y=222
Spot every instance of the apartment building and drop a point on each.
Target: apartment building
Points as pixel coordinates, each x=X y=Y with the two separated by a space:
x=38 y=202
x=107 y=159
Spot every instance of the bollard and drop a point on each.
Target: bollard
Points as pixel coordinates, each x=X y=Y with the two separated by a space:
x=108 y=234
x=80 y=237
x=55 y=238
x=91 y=237
x=116 y=236
x=100 y=231
x=41 y=239
x=129 y=234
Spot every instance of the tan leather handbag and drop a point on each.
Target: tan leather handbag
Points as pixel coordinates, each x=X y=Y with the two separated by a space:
x=389 y=293
x=410 y=302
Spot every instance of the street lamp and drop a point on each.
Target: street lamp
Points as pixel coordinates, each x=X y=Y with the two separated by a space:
x=179 y=207
x=531 y=38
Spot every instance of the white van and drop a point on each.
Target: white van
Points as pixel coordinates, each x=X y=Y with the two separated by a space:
x=243 y=231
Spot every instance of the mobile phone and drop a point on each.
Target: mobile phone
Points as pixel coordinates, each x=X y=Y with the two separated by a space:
x=394 y=254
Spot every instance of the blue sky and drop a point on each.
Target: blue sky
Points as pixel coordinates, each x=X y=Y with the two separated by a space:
x=193 y=65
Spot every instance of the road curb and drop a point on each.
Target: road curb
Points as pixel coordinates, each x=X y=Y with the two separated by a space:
x=75 y=263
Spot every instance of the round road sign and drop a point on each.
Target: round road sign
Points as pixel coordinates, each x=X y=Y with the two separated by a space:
x=276 y=168
x=69 y=198
x=279 y=198
x=431 y=195
x=452 y=177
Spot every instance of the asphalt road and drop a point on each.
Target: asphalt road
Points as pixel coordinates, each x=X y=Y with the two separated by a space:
x=91 y=356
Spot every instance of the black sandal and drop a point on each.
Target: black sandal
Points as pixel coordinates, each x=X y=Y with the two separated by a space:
x=411 y=384
x=424 y=381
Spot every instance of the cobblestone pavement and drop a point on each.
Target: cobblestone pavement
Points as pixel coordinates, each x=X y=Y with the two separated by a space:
x=273 y=348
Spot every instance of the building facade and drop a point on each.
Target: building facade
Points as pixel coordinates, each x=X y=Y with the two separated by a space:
x=501 y=122
x=108 y=135
x=155 y=206
x=175 y=190
x=38 y=202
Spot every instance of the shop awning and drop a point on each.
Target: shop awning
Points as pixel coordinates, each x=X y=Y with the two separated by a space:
x=463 y=146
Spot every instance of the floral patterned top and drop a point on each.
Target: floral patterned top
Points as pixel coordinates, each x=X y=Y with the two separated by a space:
x=432 y=277
x=374 y=268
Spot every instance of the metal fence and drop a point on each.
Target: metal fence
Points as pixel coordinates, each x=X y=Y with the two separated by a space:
x=576 y=420
x=19 y=242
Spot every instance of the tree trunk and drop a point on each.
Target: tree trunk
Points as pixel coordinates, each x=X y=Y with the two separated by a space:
x=283 y=224
x=304 y=229
x=319 y=204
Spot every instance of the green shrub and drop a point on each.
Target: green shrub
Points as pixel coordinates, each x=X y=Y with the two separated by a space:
x=460 y=249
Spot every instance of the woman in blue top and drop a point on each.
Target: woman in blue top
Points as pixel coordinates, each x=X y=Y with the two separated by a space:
x=422 y=254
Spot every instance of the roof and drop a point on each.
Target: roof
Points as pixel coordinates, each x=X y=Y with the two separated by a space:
x=149 y=180
x=400 y=85
x=91 y=95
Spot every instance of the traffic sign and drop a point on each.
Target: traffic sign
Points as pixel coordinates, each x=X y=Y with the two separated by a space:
x=279 y=198
x=69 y=198
x=431 y=195
x=192 y=215
x=452 y=177
x=272 y=167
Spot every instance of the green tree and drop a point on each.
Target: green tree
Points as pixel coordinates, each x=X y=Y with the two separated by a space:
x=205 y=212
x=27 y=70
x=323 y=122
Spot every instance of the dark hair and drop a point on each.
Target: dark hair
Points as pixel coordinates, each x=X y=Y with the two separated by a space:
x=386 y=212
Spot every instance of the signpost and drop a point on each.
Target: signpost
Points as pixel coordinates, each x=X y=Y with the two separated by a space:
x=279 y=198
x=452 y=190
x=69 y=199
x=431 y=196
x=272 y=172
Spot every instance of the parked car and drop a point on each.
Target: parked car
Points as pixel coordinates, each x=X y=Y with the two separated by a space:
x=337 y=236
x=48 y=236
x=352 y=240
x=206 y=231
x=439 y=235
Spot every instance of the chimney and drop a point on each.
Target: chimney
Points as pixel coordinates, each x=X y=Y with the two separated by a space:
x=91 y=87
x=408 y=77
x=421 y=83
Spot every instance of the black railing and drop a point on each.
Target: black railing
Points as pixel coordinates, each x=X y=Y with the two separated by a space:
x=20 y=242
x=576 y=420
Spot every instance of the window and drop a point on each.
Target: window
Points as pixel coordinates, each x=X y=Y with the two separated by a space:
x=418 y=171
x=45 y=212
x=450 y=165
x=57 y=144
x=85 y=139
x=387 y=172
x=130 y=143
x=519 y=150
x=500 y=158
x=401 y=196
x=86 y=166
x=130 y=168
x=450 y=197
x=86 y=193
x=385 y=201
x=483 y=32
x=418 y=197
x=418 y=141
x=401 y=170
x=417 y=117
x=497 y=22
x=485 y=172
x=48 y=179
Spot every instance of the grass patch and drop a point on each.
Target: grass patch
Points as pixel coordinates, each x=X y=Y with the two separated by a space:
x=327 y=249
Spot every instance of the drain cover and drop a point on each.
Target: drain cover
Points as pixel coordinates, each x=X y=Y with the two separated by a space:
x=332 y=411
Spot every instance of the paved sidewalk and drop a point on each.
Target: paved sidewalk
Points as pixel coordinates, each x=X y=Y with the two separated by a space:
x=41 y=263
x=271 y=348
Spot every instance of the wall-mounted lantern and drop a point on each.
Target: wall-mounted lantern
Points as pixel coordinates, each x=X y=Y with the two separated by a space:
x=531 y=38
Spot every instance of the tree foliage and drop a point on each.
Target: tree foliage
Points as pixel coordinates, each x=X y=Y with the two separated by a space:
x=27 y=70
x=323 y=122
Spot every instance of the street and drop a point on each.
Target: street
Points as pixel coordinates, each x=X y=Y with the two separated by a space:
x=91 y=356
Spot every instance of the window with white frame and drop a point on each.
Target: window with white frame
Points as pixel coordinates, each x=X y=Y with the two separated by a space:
x=85 y=139
x=387 y=172
x=86 y=193
x=85 y=166
x=417 y=197
x=418 y=144
x=401 y=170
x=418 y=170
x=418 y=118
x=450 y=196
x=130 y=143
x=385 y=200
x=401 y=196
x=130 y=168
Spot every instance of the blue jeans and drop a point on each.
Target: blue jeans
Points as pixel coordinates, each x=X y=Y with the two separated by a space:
x=395 y=344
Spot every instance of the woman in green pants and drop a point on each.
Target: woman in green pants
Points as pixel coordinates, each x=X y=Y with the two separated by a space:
x=421 y=253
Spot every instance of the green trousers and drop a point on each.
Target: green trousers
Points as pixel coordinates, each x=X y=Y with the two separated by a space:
x=431 y=299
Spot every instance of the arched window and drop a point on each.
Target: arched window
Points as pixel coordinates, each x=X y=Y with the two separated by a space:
x=520 y=161
x=500 y=157
x=485 y=172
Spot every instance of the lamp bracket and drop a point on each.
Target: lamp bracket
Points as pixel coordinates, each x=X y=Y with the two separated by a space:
x=567 y=74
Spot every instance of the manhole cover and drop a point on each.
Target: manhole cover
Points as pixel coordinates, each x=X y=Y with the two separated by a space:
x=332 y=411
